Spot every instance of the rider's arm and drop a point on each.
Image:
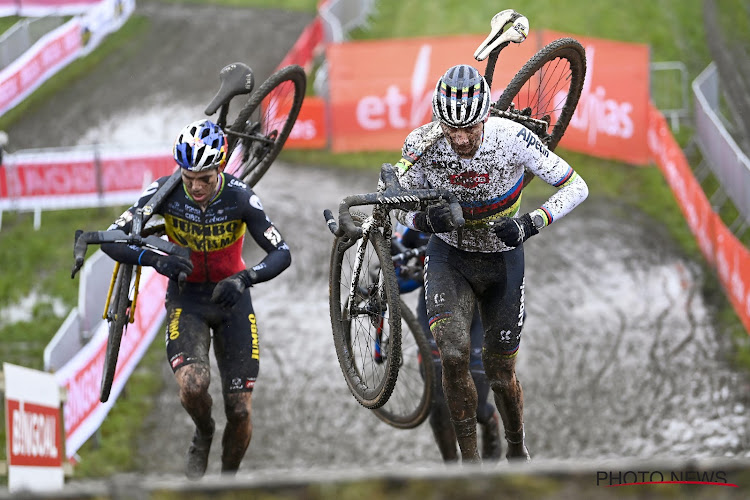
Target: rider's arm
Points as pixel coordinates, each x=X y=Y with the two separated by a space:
x=130 y=254
x=409 y=171
x=269 y=239
x=571 y=188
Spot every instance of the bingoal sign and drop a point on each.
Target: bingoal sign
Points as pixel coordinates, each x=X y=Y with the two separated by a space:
x=33 y=430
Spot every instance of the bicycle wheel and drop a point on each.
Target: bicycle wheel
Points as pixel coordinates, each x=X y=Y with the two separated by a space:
x=367 y=341
x=118 y=319
x=548 y=87
x=411 y=399
x=266 y=121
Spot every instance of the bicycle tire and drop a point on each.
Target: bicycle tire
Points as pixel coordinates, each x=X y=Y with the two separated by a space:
x=368 y=345
x=265 y=115
x=118 y=318
x=558 y=67
x=411 y=400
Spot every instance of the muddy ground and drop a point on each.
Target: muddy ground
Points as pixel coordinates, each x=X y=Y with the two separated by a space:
x=620 y=357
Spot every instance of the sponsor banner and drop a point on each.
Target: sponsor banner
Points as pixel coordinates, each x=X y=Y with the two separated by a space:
x=612 y=116
x=309 y=131
x=57 y=49
x=45 y=58
x=34 y=442
x=59 y=178
x=733 y=267
x=380 y=90
x=39 y=8
x=105 y=17
x=720 y=247
x=81 y=376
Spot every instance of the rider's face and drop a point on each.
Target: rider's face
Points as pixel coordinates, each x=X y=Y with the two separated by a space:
x=201 y=186
x=464 y=141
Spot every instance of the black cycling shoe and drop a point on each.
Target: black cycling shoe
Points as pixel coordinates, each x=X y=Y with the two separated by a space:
x=492 y=446
x=197 y=455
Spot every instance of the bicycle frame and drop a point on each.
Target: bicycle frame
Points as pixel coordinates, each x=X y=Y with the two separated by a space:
x=379 y=218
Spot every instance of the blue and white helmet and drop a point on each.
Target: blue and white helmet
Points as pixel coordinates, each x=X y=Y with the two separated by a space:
x=200 y=146
x=462 y=97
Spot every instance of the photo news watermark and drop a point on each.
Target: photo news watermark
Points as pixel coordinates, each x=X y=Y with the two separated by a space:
x=636 y=478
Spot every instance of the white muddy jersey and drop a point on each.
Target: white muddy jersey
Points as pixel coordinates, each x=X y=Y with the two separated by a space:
x=488 y=186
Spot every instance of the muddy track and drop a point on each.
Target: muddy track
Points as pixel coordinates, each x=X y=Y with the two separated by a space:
x=619 y=357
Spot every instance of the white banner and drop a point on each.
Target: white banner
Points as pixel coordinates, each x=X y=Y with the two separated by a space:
x=34 y=445
x=38 y=8
x=57 y=49
x=81 y=376
x=47 y=56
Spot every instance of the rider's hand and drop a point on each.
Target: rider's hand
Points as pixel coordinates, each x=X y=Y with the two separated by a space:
x=169 y=265
x=229 y=290
x=436 y=219
x=513 y=231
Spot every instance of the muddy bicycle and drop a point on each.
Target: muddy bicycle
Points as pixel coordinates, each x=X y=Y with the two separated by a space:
x=365 y=310
x=364 y=298
x=255 y=138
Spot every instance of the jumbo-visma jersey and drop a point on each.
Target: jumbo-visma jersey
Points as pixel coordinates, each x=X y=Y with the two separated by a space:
x=215 y=236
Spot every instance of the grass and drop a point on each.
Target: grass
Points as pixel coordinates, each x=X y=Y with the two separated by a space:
x=41 y=260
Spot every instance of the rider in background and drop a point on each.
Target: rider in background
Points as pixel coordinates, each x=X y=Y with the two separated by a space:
x=487 y=417
x=482 y=160
x=209 y=213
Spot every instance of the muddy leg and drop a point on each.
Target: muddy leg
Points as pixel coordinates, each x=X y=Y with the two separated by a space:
x=509 y=401
x=193 y=381
x=239 y=430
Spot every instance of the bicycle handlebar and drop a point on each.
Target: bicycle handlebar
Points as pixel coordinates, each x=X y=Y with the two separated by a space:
x=83 y=239
x=393 y=195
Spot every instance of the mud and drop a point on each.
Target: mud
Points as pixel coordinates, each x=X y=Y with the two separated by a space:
x=619 y=358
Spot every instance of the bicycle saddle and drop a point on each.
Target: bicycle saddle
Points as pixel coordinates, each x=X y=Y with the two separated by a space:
x=496 y=37
x=236 y=79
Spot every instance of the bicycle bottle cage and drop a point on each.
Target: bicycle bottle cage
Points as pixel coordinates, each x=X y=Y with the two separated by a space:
x=236 y=78
x=516 y=34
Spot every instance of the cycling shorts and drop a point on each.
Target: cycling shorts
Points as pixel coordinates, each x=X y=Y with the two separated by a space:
x=455 y=278
x=191 y=319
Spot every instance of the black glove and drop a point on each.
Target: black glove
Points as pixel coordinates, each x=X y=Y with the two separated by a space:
x=169 y=265
x=437 y=219
x=229 y=290
x=513 y=231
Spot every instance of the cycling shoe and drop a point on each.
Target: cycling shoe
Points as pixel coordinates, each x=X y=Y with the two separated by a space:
x=197 y=455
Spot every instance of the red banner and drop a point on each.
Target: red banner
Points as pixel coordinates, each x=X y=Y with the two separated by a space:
x=611 y=119
x=380 y=90
x=720 y=247
x=55 y=175
x=309 y=130
x=34 y=435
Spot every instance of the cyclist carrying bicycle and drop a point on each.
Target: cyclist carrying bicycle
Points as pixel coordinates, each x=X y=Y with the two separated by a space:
x=442 y=428
x=482 y=160
x=209 y=212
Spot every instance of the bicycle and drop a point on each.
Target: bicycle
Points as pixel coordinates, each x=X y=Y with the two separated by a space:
x=411 y=399
x=542 y=96
x=255 y=138
x=366 y=317
x=261 y=128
